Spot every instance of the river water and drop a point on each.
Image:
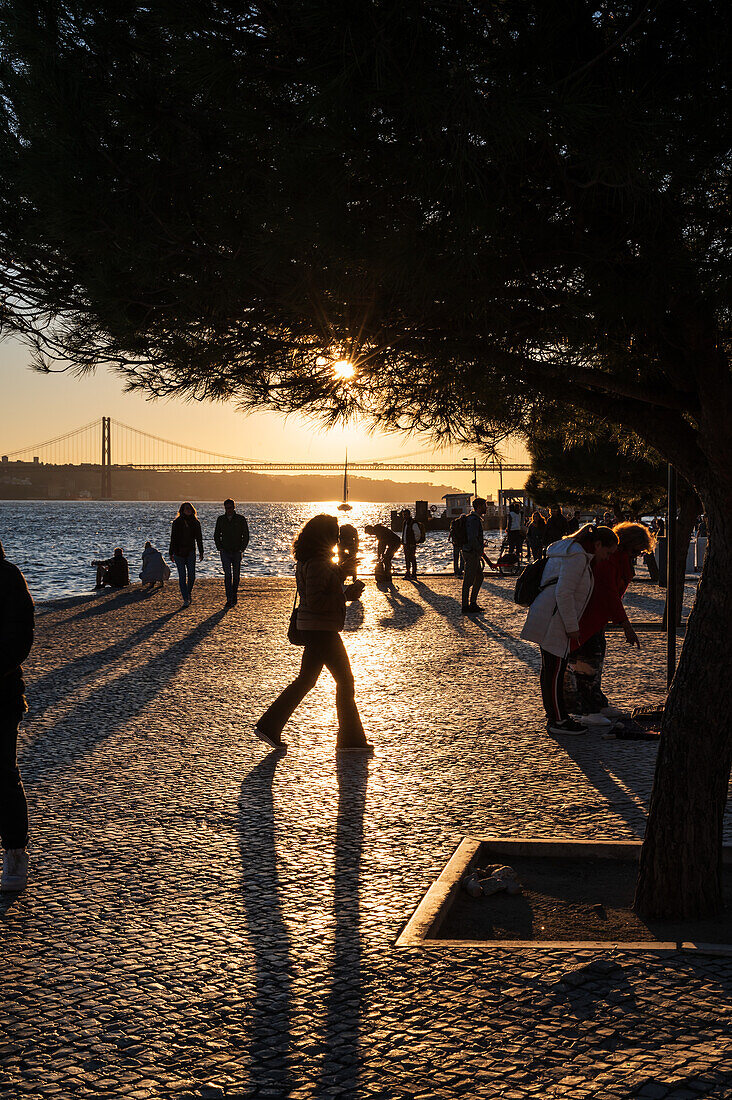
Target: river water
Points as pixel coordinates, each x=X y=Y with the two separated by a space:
x=54 y=541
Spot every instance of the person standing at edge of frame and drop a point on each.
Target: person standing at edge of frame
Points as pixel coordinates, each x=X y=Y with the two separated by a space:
x=16 y=639
x=185 y=534
x=231 y=536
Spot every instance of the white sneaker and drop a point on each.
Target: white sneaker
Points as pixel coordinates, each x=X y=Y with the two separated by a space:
x=611 y=711
x=15 y=870
x=597 y=720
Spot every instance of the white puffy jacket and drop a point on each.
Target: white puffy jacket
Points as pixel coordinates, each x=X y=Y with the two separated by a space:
x=556 y=611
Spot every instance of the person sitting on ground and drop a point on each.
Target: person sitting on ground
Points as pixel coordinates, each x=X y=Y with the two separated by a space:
x=473 y=557
x=348 y=550
x=388 y=542
x=155 y=570
x=113 y=571
x=536 y=535
x=583 y=680
x=320 y=618
x=553 y=620
x=556 y=526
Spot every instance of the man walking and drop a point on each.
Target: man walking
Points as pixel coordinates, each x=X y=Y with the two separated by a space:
x=473 y=557
x=231 y=536
x=16 y=639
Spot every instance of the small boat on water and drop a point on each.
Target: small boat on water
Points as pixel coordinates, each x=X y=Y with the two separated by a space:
x=345 y=506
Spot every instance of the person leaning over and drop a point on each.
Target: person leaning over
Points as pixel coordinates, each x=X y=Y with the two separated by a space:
x=154 y=569
x=185 y=535
x=473 y=557
x=320 y=619
x=231 y=536
x=605 y=605
x=113 y=571
x=16 y=639
x=553 y=619
x=387 y=544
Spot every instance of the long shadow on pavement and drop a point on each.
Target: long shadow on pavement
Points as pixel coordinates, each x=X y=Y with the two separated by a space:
x=109 y=707
x=447 y=606
x=523 y=651
x=61 y=682
x=341 y=1061
x=271 y=1025
x=405 y=612
x=103 y=603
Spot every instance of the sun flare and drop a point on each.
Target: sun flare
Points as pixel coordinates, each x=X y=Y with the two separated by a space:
x=344 y=369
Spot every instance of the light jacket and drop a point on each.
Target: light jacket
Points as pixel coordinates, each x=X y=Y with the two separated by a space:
x=556 y=611
x=322 y=601
x=154 y=566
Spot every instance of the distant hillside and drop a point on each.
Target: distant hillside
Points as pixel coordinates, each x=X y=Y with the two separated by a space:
x=23 y=480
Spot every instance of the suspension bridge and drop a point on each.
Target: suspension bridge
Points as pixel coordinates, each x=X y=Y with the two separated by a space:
x=99 y=441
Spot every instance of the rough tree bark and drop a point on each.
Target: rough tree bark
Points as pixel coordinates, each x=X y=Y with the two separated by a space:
x=681 y=858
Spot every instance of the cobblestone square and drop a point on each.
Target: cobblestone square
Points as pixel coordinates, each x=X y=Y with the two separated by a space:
x=208 y=919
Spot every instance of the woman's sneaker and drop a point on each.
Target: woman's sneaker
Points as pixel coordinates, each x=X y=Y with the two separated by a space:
x=611 y=711
x=597 y=720
x=568 y=726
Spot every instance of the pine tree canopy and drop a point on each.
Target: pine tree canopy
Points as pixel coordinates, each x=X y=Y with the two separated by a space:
x=485 y=206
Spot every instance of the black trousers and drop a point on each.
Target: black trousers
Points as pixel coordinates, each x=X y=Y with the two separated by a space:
x=13 y=806
x=323 y=648
x=551 y=679
x=472 y=577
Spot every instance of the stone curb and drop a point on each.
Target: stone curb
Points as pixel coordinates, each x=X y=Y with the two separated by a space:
x=426 y=921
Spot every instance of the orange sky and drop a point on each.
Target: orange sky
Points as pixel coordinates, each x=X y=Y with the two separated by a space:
x=36 y=407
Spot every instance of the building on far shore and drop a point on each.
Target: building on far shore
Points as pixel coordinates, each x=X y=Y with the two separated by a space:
x=456 y=504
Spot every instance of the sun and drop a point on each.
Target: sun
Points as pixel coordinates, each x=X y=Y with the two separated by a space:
x=344 y=369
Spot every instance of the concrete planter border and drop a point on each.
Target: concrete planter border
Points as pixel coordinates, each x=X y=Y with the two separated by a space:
x=422 y=928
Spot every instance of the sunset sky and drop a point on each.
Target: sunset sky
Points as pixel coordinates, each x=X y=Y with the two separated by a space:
x=36 y=407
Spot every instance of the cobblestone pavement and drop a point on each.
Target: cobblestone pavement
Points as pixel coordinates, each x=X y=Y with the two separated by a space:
x=206 y=919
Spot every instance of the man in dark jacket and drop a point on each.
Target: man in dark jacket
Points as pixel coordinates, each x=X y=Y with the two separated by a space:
x=231 y=536
x=114 y=571
x=473 y=557
x=557 y=526
x=16 y=639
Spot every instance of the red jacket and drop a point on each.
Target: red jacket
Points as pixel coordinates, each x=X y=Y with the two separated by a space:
x=612 y=577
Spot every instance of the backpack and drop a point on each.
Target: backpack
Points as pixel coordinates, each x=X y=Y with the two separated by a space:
x=459 y=531
x=420 y=531
x=528 y=583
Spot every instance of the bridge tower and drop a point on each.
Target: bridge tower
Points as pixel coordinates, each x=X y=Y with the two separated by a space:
x=106 y=493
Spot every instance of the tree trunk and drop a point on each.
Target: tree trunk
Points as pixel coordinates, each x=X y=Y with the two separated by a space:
x=681 y=861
